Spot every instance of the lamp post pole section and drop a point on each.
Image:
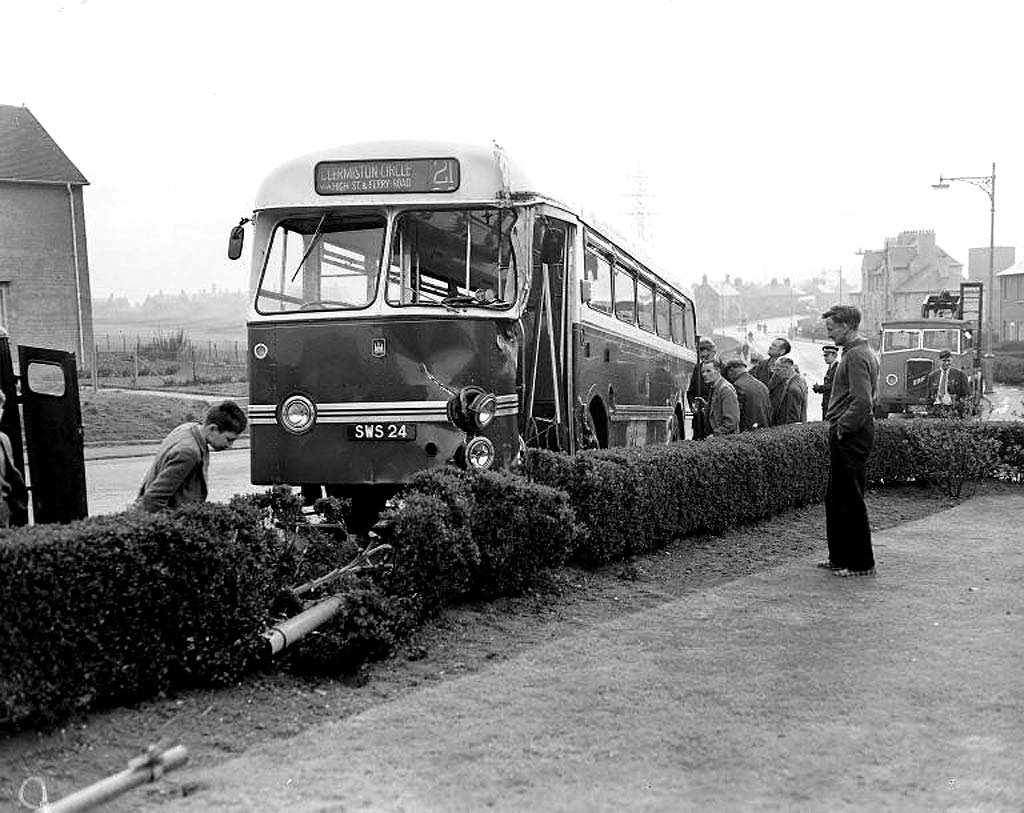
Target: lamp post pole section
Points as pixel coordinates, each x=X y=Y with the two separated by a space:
x=987 y=183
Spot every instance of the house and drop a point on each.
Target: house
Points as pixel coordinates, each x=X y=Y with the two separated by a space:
x=978 y=269
x=1010 y=284
x=716 y=304
x=896 y=279
x=45 y=297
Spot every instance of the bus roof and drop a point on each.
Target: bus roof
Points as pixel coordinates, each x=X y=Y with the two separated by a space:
x=486 y=175
x=481 y=178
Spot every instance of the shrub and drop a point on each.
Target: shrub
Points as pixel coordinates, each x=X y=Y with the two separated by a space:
x=119 y=607
x=367 y=627
x=457 y=533
x=519 y=528
x=166 y=347
x=1008 y=370
x=433 y=554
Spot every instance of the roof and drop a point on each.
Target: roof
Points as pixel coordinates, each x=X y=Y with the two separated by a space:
x=1016 y=268
x=28 y=154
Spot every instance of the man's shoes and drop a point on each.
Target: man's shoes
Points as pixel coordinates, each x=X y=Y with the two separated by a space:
x=826 y=564
x=845 y=572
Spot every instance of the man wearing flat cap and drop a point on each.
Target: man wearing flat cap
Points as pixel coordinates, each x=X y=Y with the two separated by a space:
x=831 y=354
x=948 y=386
x=698 y=391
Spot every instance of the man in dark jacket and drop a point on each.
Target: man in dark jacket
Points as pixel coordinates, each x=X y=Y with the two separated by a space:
x=177 y=475
x=723 y=409
x=824 y=389
x=851 y=434
x=948 y=386
x=787 y=393
x=752 y=396
x=762 y=371
x=697 y=393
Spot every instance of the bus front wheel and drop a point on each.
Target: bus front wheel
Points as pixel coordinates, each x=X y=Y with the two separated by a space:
x=366 y=503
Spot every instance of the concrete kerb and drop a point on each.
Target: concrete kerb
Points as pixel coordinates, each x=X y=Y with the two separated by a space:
x=787 y=689
x=105 y=450
x=136 y=448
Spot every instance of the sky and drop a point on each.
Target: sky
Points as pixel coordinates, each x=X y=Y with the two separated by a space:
x=768 y=139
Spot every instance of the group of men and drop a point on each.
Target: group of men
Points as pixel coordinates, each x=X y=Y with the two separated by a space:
x=730 y=398
x=727 y=398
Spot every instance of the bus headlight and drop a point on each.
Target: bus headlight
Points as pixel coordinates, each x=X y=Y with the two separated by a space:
x=891 y=379
x=472 y=409
x=481 y=410
x=479 y=453
x=298 y=414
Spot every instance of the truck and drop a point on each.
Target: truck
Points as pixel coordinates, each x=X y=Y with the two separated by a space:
x=910 y=350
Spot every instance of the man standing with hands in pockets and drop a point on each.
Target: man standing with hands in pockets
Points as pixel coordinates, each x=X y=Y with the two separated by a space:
x=851 y=434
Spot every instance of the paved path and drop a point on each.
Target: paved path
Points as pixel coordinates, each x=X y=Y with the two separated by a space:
x=786 y=690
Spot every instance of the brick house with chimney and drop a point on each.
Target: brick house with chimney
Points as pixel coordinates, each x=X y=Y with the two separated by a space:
x=45 y=296
x=896 y=279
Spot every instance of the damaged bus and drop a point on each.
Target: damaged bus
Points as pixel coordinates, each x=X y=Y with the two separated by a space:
x=416 y=305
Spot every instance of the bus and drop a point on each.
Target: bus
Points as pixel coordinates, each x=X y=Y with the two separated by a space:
x=910 y=349
x=420 y=304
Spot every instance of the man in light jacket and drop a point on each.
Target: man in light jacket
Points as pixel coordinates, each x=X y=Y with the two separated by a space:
x=177 y=475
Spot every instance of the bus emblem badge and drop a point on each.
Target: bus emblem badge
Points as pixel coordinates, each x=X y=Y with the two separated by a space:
x=379 y=348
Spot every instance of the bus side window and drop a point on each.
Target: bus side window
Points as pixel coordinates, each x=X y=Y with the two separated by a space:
x=645 y=305
x=661 y=315
x=598 y=272
x=625 y=294
x=678 y=324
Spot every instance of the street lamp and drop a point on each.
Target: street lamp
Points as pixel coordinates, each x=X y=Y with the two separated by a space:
x=987 y=183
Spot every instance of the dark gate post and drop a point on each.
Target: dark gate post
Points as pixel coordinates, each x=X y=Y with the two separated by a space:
x=10 y=425
x=53 y=433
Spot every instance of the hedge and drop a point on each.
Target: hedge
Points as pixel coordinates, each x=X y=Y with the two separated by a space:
x=120 y=607
x=632 y=500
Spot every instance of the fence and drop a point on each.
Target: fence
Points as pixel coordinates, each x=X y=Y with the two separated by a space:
x=138 y=362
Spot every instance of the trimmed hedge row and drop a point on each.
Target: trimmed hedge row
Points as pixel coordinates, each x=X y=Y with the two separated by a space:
x=117 y=608
x=120 y=607
x=629 y=501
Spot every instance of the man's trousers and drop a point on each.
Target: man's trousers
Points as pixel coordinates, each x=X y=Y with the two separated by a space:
x=846 y=515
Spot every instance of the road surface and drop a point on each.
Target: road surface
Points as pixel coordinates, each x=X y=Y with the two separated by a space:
x=112 y=482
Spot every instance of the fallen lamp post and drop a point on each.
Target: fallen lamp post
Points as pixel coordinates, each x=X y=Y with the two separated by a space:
x=154 y=763
x=291 y=630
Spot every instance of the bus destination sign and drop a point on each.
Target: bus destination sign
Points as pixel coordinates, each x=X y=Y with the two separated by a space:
x=386 y=176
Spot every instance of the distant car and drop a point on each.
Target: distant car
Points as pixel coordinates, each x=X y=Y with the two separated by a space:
x=812 y=328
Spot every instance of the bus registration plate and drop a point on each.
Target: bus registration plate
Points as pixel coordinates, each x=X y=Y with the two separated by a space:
x=382 y=431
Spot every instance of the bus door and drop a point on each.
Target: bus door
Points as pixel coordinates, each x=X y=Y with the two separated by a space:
x=546 y=368
x=53 y=434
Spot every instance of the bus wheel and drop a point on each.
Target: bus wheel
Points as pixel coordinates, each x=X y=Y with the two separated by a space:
x=600 y=422
x=367 y=501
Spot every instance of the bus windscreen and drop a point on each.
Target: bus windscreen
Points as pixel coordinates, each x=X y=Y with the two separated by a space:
x=317 y=262
x=453 y=257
